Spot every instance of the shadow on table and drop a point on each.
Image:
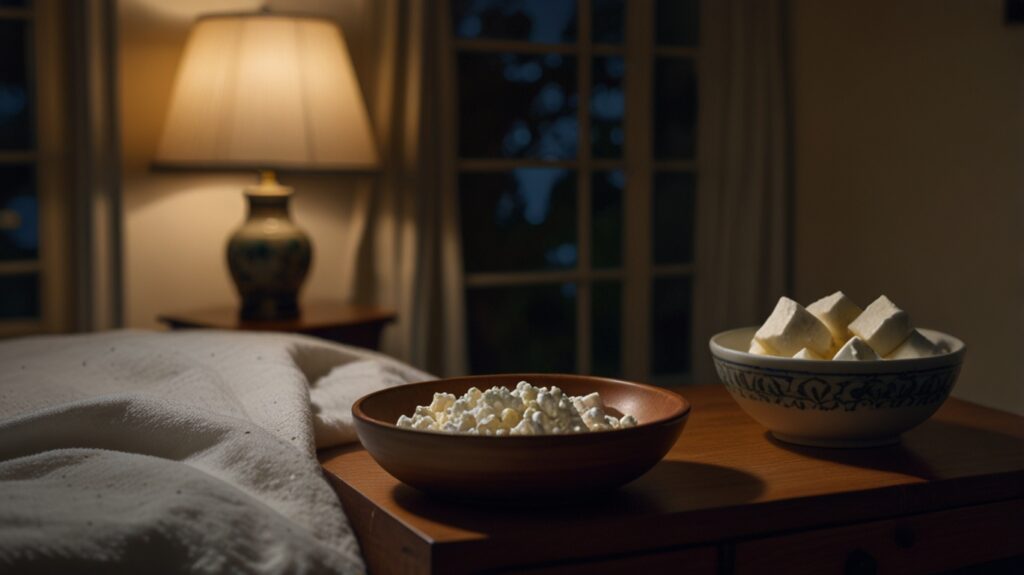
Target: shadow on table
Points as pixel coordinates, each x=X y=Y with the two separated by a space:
x=670 y=486
x=926 y=451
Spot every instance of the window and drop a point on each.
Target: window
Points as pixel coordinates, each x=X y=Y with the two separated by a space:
x=19 y=205
x=29 y=281
x=575 y=123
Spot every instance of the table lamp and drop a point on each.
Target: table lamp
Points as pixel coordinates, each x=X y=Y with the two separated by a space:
x=267 y=92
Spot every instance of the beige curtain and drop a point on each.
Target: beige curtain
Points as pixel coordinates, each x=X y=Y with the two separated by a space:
x=94 y=150
x=744 y=176
x=403 y=249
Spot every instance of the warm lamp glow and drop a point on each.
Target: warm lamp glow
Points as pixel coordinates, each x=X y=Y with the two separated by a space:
x=267 y=91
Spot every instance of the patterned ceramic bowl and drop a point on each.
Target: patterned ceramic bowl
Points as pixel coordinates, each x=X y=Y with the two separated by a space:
x=836 y=403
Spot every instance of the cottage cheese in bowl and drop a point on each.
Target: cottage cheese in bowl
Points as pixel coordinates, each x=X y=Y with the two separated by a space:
x=519 y=436
x=525 y=410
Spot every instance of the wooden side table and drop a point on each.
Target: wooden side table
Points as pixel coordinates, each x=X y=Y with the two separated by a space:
x=343 y=323
x=728 y=499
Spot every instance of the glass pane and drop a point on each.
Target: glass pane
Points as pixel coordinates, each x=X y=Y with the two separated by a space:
x=15 y=124
x=548 y=21
x=607 y=105
x=19 y=218
x=517 y=106
x=19 y=296
x=606 y=226
x=609 y=17
x=671 y=310
x=677 y=22
x=519 y=220
x=675 y=108
x=606 y=328
x=522 y=328
x=673 y=217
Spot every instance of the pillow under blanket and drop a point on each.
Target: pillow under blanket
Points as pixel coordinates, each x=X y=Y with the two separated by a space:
x=188 y=451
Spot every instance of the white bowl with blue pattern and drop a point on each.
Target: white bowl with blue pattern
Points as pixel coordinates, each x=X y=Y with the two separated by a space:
x=825 y=403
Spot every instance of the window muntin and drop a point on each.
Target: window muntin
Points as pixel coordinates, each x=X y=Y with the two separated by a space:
x=559 y=97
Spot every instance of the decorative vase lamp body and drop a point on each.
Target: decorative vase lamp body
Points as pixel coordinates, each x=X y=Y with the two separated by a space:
x=269 y=255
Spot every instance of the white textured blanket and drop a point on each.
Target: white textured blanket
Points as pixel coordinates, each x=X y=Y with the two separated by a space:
x=185 y=451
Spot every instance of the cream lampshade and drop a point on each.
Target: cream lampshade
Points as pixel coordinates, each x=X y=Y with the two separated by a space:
x=267 y=92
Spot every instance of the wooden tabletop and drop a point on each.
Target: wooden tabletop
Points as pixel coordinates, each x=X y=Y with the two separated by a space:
x=724 y=479
x=314 y=316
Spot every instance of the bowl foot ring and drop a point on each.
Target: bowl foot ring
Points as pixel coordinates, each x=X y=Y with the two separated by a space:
x=836 y=443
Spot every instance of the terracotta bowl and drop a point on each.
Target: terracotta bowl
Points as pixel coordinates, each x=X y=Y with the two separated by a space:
x=826 y=403
x=511 y=467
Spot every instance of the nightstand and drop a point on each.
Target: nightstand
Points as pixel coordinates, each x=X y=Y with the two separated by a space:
x=728 y=499
x=343 y=323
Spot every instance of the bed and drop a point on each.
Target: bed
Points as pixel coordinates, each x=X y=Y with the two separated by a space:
x=185 y=451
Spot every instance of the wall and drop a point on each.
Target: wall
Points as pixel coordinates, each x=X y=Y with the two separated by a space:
x=909 y=169
x=176 y=225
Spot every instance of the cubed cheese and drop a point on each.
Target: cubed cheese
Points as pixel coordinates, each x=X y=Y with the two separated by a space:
x=883 y=326
x=807 y=354
x=758 y=349
x=836 y=312
x=916 y=345
x=791 y=328
x=855 y=349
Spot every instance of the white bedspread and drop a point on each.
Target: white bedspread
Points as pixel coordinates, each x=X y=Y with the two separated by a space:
x=186 y=451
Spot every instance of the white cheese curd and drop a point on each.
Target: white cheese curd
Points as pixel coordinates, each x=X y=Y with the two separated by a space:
x=758 y=349
x=881 y=330
x=806 y=354
x=855 y=349
x=526 y=410
x=836 y=311
x=791 y=328
x=883 y=326
x=916 y=345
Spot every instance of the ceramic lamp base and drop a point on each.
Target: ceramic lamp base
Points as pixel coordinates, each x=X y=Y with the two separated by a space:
x=269 y=256
x=269 y=307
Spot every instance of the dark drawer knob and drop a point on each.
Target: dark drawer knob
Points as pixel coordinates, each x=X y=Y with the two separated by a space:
x=860 y=562
x=905 y=537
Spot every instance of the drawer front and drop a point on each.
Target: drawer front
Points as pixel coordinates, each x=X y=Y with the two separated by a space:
x=923 y=543
x=696 y=561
